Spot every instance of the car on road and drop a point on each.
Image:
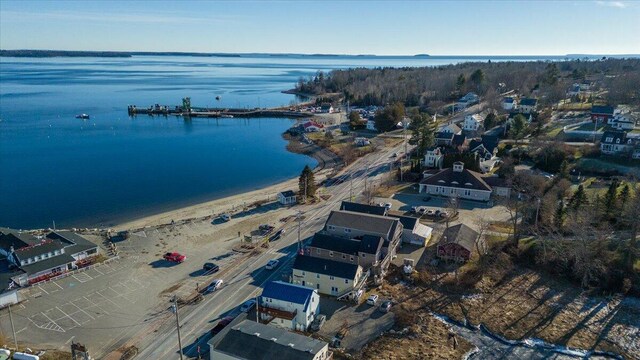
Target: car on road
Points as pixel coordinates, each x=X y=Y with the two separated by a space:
x=426 y=198
x=385 y=306
x=272 y=264
x=394 y=155
x=210 y=267
x=215 y=285
x=266 y=228
x=430 y=212
x=388 y=206
x=174 y=257
x=317 y=323
x=248 y=305
x=277 y=235
x=225 y=217
x=373 y=298
x=221 y=325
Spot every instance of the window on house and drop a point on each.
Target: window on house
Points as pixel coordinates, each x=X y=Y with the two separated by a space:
x=346 y=281
x=347 y=230
x=363 y=255
x=351 y=257
x=318 y=251
x=331 y=227
x=344 y=256
x=617 y=141
x=318 y=276
x=331 y=278
x=303 y=273
x=331 y=253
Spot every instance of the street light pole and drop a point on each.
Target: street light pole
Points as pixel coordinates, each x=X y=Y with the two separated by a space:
x=175 y=308
x=15 y=340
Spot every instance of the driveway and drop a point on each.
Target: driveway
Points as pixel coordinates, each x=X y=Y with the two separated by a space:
x=365 y=322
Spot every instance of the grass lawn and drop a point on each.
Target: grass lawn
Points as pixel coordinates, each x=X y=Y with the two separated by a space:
x=589 y=127
x=574 y=107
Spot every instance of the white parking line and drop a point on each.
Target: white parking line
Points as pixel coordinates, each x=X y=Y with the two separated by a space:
x=109 y=300
x=53 y=323
x=45 y=291
x=96 y=305
x=56 y=284
x=67 y=315
x=98 y=271
x=78 y=307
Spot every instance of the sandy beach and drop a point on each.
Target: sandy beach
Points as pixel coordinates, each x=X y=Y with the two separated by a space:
x=326 y=163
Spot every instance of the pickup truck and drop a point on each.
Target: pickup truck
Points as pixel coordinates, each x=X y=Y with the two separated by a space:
x=174 y=257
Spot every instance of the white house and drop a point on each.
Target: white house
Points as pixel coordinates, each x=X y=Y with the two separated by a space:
x=326 y=108
x=414 y=232
x=509 y=103
x=329 y=277
x=473 y=122
x=288 y=305
x=371 y=125
x=622 y=122
x=450 y=128
x=287 y=197
x=460 y=183
x=527 y=105
x=615 y=143
x=312 y=126
x=361 y=141
x=433 y=158
x=467 y=100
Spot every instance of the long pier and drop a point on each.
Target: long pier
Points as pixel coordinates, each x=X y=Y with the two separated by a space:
x=194 y=112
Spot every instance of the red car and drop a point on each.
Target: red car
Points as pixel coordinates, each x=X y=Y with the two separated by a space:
x=174 y=257
x=221 y=325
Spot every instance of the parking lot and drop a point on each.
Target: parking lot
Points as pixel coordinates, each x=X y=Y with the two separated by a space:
x=105 y=305
x=364 y=322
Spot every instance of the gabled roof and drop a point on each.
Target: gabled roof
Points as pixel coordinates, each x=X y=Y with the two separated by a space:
x=528 y=102
x=326 y=267
x=288 y=193
x=602 y=110
x=280 y=290
x=465 y=179
x=444 y=135
x=309 y=124
x=408 y=222
x=73 y=242
x=44 y=247
x=363 y=208
x=334 y=243
x=495 y=181
x=371 y=244
x=15 y=238
x=459 y=140
x=252 y=340
x=613 y=135
x=367 y=223
x=490 y=142
x=460 y=234
x=48 y=264
x=452 y=128
x=476 y=117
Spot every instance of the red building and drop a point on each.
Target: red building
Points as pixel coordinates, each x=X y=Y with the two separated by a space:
x=602 y=113
x=458 y=243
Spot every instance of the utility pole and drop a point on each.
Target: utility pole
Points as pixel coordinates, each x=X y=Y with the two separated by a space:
x=15 y=340
x=305 y=188
x=351 y=186
x=299 y=226
x=175 y=310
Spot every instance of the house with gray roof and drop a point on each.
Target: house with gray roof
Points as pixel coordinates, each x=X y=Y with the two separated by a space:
x=458 y=243
x=458 y=182
x=329 y=277
x=44 y=256
x=363 y=208
x=366 y=251
x=248 y=340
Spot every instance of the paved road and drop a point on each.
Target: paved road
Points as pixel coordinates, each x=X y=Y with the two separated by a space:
x=247 y=279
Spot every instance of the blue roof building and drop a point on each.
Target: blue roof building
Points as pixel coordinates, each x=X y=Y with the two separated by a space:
x=288 y=305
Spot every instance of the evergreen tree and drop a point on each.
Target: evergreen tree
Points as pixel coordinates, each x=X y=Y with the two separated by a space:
x=560 y=214
x=490 y=121
x=564 y=170
x=624 y=196
x=611 y=198
x=307 y=181
x=477 y=77
x=421 y=132
x=518 y=127
x=460 y=82
x=578 y=199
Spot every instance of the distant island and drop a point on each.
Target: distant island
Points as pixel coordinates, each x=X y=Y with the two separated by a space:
x=118 y=54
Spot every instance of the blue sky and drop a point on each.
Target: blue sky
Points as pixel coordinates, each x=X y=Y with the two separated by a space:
x=337 y=27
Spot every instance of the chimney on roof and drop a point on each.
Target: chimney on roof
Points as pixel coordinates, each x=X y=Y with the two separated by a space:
x=458 y=166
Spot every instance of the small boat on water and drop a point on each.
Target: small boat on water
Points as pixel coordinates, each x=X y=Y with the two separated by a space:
x=217 y=97
x=82 y=116
x=226 y=116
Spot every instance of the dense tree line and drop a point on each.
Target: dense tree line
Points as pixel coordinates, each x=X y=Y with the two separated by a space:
x=433 y=86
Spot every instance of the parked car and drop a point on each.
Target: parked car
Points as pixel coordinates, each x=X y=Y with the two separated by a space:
x=248 y=305
x=422 y=210
x=414 y=209
x=430 y=212
x=272 y=264
x=225 y=217
x=372 y=299
x=215 y=285
x=317 y=323
x=443 y=214
x=385 y=306
x=174 y=257
x=210 y=267
x=277 y=235
x=266 y=228
x=221 y=325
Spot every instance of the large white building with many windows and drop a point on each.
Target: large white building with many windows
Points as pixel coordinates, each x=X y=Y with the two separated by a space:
x=458 y=182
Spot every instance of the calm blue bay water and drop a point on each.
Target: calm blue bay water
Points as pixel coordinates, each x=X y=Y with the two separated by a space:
x=111 y=168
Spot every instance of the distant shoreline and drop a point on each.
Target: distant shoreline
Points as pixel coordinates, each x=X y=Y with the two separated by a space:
x=29 y=53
